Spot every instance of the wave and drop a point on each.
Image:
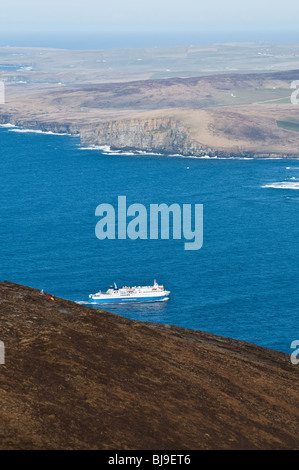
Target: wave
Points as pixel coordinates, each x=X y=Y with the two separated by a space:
x=215 y=157
x=283 y=185
x=8 y=125
x=106 y=150
x=102 y=148
x=36 y=131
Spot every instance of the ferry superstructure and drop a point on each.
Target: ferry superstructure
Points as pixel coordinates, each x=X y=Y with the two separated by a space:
x=152 y=293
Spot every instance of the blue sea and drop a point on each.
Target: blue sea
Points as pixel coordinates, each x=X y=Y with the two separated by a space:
x=95 y=40
x=242 y=283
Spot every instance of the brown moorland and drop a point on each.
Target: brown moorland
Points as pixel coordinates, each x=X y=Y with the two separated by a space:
x=79 y=378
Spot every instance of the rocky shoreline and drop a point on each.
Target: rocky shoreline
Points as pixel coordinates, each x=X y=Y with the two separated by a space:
x=79 y=378
x=54 y=127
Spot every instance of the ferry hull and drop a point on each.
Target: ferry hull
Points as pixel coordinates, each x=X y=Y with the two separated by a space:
x=153 y=293
x=130 y=299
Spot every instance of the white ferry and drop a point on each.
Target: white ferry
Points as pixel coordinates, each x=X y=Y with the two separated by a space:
x=132 y=294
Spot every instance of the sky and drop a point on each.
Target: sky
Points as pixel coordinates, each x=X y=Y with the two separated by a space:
x=146 y=15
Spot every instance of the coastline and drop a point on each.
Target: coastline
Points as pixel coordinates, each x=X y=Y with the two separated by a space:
x=67 y=130
x=135 y=385
x=228 y=115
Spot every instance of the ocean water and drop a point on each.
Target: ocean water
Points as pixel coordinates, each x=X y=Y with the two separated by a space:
x=120 y=40
x=242 y=283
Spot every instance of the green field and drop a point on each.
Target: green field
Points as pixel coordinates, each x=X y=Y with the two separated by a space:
x=241 y=96
x=289 y=124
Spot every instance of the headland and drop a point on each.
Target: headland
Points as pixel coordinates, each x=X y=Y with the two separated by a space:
x=221 y=100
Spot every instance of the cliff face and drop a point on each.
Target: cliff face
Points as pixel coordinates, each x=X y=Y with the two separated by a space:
x=225 y=115
x=162 y=135
x=79 y=378
x=169 y=135
x=44 y=126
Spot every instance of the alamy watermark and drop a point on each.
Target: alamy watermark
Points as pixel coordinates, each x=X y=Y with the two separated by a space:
x=295 y=94
x=2 y=353
x=294 y=358
x=151 y=225
x=2 y=93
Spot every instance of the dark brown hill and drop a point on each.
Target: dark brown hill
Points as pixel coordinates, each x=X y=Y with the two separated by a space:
x=79 y=378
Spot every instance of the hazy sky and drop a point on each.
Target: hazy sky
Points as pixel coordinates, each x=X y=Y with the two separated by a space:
x=147 y=15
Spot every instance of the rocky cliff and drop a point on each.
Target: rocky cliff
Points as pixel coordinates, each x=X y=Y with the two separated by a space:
x=184 y=132
x=159 y=135
x=170 y=135
x=232 y=115
x=40 y=125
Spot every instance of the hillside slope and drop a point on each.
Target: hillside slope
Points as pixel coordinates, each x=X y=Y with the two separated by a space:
x=79 y=378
